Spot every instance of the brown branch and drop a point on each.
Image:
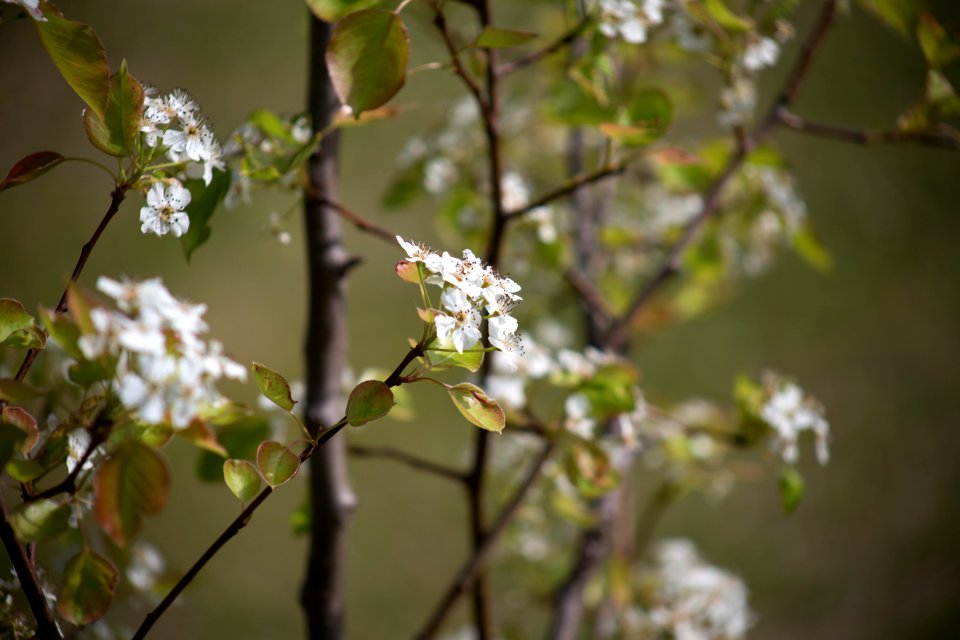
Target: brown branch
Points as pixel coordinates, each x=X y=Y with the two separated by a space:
x=357 y=220
x=671 y=263
x=324 y=436
x=475 y=564
x=865 y=136
x=116 y=197
x=29 y=582
x=69 y=484
x=594 y=303
x=420 y=464
x=573 y=185
x=441 y=24
x=538 y=55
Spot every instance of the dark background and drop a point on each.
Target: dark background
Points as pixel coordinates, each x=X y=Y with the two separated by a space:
x=872 y=552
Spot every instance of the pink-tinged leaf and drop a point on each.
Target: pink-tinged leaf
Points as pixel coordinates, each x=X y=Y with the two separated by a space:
x=277 y=463
x=78 y=53
x=370 y=400
x=201 y=435
x=13 y=318
x=30 y=168
x=133 y=482
x=367 y=57
x=273 y=386
x=408 y=272
x=89 y=582
x=22 y=420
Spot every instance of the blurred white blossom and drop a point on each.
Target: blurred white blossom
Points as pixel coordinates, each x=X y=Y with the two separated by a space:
x=630 y=19
x=790 y=412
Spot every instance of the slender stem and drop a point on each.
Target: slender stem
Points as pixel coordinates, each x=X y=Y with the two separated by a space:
x=671 y=263
x=68 y=484
x=594 y=303
x=571 y=186
x=408 y=459
x=116 y=197
x=538 y=55
x=92 y=163
x=360 y=222
x=325 y=435
x=29 y=582
x=865 y=136
x=475 y=564
x=441 y=24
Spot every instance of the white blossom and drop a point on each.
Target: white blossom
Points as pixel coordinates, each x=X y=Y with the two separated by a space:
x=462 y=324
x=438 y=174
x=691 y=36
x=737 y=101
x=164 y=212
x=32 y=7
x=790 y=413
x=165 y=370
x=630 y=19
x=761 y=52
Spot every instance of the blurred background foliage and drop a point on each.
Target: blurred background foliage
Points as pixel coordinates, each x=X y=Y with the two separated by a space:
x=871 y=553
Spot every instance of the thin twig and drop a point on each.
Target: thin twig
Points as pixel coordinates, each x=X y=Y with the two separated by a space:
x=441 y=23
x=595 y=304
x=477 y=561
x=570 y=186
x=865 y=136
x=69 y=484
x=408 y=459
x=536 y=56
x=29 y=582
x=671 y=263
x=393 y=380
x=360 y=222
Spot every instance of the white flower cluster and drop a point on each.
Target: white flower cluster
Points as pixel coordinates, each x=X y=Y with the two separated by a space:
x=789 y=412
x=174 y=122
x=165 y=210
x=630 y=19
x=689 y=599
x=165 y=370
x=468 y=288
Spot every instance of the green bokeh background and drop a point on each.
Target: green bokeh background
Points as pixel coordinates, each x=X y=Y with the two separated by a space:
x=872 y=553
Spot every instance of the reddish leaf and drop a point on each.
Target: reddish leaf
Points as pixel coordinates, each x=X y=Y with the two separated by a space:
x=31 y=167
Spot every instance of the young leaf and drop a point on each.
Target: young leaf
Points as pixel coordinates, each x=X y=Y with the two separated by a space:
x=240 y=438
x=11 y=440
x=369 y=400
x=203 y=203
x=133 y=482
x=30 y=168
x=470 y=359
x=13 y=390
x=477 y=407
x=273 y=386
x=22 y=420
x=791 y=489
x=13 y=318
x=242 y=479
x=726 y=18
x=98 y=133
x=367 y=57
x=62 y=329
x=333 y=10
x=277 y=463
x=116 y=132
x=78 y=53
x=201 y=435
x=937 y=47
x=497 y=38
x=24 y=470
x=89 y=582
x=41 y=520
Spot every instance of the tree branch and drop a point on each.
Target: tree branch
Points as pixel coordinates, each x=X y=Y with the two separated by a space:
x=671 y=263
x=536 y=56
x=475 y=564
x=408 y=459
x=324 y=435
x=29 y=582
x=865 y=136
x=573 y=185
x=357 y=220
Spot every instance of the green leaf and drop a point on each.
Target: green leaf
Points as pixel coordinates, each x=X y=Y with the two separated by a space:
x=78 y=53
x=277 y=463
x=41 y=520
x=811 y=249
x=471 y=401
x=726 y=18
x=89 y=582
x=367 y=57
x=203 y=203
x=22 y=420
x=13 y=390
x=589 y=469
x=470 y=359
x=116 y=133
x=32 y=337
x=936 y=44
x=497 y=38
x=790 y=485
x=301 y=520
x=242 y=479
x=643 y=121
x=30 y=168
x=24 y=470
x=62 y=329
x=13 y=318
x=11 y=440
x=901 y=15
x=240 y=438
x=273 y=386
x=133 y=482
x=333 y=10
x=200 y=434
x=370 y=400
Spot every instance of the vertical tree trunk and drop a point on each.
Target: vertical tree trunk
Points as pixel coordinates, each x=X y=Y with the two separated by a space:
x=332 y=500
